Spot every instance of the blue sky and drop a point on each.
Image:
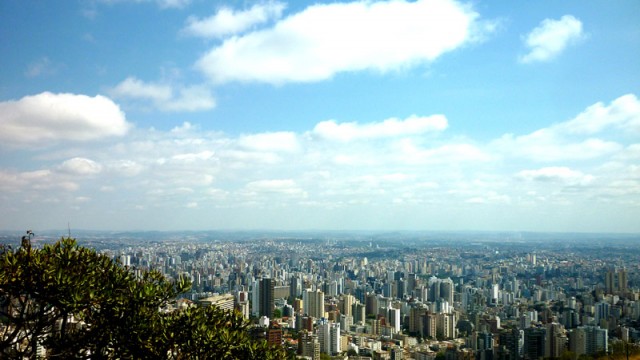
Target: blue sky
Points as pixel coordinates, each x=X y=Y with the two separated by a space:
x=376 y=115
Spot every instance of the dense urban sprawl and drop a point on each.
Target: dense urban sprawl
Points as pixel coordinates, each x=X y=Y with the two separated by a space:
x=409 y=296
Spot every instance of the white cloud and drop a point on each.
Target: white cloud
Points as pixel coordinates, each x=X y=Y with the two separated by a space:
x=192 y=157
x=81 y=166
x=228 y=22
x=274 y=141
x=409 y=152
x=545 y=145
x=41 y=119
x=126 y=167
x=191 y=98
x=551 y=37
x=402 y=167
x=623 y=113
x=413 y=125
x=33 y=182
x=326 y=39
x=132 y=87
x=566 y=140
x=164 y=97
x=556 y=174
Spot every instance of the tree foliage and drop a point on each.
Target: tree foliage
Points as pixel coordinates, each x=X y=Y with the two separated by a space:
x=76 y=303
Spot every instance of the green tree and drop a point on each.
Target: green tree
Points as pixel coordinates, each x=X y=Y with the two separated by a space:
x=77 y=303
x=277 y=313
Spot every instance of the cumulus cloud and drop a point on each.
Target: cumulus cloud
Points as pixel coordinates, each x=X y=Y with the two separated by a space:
x=164 y=97
x=623 y=113
x=326 y=39
x=228 y=22
x=39 y=120
x=81 y=166
x=393 y=127
x=550 y=38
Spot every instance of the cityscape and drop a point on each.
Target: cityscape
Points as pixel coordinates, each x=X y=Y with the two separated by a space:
x=320 y=179
x=404 y=295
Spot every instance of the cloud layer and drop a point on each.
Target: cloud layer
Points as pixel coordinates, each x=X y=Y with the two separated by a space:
x=323 y=40
x=323 y=176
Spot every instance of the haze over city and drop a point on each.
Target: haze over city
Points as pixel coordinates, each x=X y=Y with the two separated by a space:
x=367 y=115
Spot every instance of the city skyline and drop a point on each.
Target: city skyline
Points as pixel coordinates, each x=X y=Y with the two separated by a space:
x=381 y=115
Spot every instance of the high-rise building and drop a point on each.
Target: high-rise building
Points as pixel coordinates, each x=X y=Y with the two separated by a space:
x=400 y=288
x=446 y=325
x=429 y=329
x=415 y=318
x=412 y=280
x=324 y=335
x=446 y=290
x=255 y=298
x=596 y=339
x=609 y=282
x=622 y=280
x=394 y=319
x=359 y=313
x=267 y=299
x=309 y=346
x=346 y=321
x=578 y=342
x=615 y=281
x=313 y=303
x=509 y=340
x=484 y=340
x=556 y=340
x=434 y=288
x=335 y=339
x=371 y=304
x=534 y=343
x=295 y=287
x=298 y=306
x=602 y=311
x=346 y=302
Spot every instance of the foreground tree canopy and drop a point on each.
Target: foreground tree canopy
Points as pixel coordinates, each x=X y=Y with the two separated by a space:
x=67 y=301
